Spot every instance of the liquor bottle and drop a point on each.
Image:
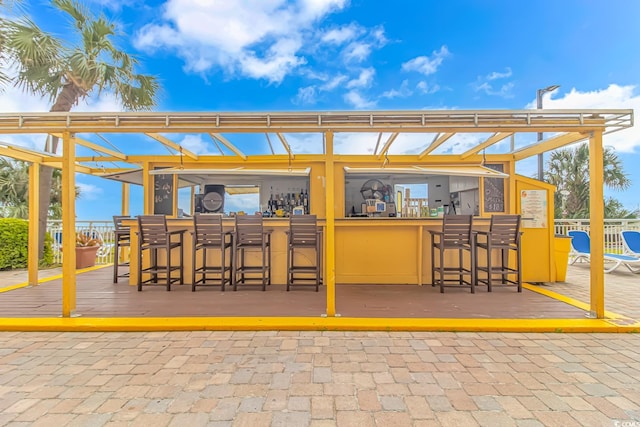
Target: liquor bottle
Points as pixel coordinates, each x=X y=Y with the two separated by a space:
x=305 y=202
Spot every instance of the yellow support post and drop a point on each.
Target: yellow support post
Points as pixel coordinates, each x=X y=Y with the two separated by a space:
x=175 y=195
x=34 y=226
x=148 y=190
x=68 y=226
x=330 y=273
x=596 y=221
x=193 y=197
x=126 y=195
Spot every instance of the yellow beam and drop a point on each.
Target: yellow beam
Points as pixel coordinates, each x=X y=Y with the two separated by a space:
x=126 y=191
x=440 y=139
x=96 y=159
x=387 y=144
x=34 y=226
x=330 y=252
x=548 y=145
x=285 y=144
x=169 y=143
x=229 y=145
x=68 y=226
x=20 y=154
x=493 y=139
x=596 y=221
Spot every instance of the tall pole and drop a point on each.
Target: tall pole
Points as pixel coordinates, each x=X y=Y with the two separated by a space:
x=539 y=95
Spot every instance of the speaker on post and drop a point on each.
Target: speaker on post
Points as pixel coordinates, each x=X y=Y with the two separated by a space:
x=213 y=199
x=197 y=203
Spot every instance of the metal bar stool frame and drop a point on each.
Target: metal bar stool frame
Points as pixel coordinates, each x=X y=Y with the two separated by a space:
x=304 y=233
x=455 y=236
x=153 y=235
x=209 y=235
x=122 y=238
x=504 y=235
x=250 y=235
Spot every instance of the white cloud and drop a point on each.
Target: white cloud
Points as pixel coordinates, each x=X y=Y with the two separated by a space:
x=334 y=82
x=342 y=34
x=356 y=99
x=497 y=75
x=427 y=65
x=613 y=97
x=402 y=92
x=306 y=95
x=355 y=143
x=503 y=90
x=197 y=145
x=425 y=88
x=254 y=38
x=364 y=79
x=357 y=52
x=89 y=191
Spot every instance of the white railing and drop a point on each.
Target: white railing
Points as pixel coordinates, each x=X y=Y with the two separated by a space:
x=612 y=229
x=103 y=229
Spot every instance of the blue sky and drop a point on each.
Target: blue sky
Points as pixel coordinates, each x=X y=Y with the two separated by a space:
x=277 y=55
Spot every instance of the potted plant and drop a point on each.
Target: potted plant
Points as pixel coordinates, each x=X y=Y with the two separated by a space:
x=87 y=245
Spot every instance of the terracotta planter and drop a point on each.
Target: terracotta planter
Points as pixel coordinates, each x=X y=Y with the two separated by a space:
x=86 y=256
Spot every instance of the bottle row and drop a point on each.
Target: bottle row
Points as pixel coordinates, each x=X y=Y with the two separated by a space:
x=286 y=202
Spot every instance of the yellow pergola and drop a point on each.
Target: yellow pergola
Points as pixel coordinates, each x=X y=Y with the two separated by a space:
x=564 y=127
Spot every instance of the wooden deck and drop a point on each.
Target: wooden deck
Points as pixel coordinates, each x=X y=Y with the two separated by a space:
x=97 y=296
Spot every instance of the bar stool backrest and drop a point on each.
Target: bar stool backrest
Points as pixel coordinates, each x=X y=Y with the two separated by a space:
x=249 y=229
x=117 y=222
x=456 y=229
x=153 y=229
x=303 y=230
x=208 y=228
x=504 y=230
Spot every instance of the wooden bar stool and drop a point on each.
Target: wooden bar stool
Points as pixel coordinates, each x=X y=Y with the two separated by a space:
x=153 y=235
x=122 y=238
x=503 y=235
x=208 y=235
x=250 y=236
x=304 y=234
x=455 y=236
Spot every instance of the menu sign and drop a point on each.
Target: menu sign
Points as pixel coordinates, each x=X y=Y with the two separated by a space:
x=533 y=204
x=163 y=194
x=494 y=191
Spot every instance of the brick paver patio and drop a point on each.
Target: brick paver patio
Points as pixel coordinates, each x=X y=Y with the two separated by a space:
x=329 y=378
x=319 y=379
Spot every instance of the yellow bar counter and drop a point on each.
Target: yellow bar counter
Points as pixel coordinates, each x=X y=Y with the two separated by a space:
x=368 y=250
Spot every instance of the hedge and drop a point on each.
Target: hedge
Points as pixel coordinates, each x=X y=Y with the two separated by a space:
x=14 y=244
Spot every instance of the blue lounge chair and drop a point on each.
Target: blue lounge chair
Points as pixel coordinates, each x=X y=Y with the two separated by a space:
x=581 y=250
x=631 y=242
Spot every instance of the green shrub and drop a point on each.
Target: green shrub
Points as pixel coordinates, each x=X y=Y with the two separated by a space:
x=14 y=244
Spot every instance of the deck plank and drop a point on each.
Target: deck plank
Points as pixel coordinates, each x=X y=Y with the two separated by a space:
x=97 y=296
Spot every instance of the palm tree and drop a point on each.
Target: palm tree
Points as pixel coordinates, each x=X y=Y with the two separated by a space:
x=14 y=190
x=568 y=169
x=52 y=67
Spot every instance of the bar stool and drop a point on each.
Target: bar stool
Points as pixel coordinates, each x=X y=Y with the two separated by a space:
x=153 y=235
x=208 y=234
x=455 y=236
x=122 y=238
x=250 y=236
x=503 y=235
x=304 y=234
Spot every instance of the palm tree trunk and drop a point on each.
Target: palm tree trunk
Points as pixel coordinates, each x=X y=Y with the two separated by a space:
x=67 y=98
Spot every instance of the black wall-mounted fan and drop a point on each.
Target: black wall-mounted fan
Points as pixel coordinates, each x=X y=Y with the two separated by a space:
x=372 y=189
